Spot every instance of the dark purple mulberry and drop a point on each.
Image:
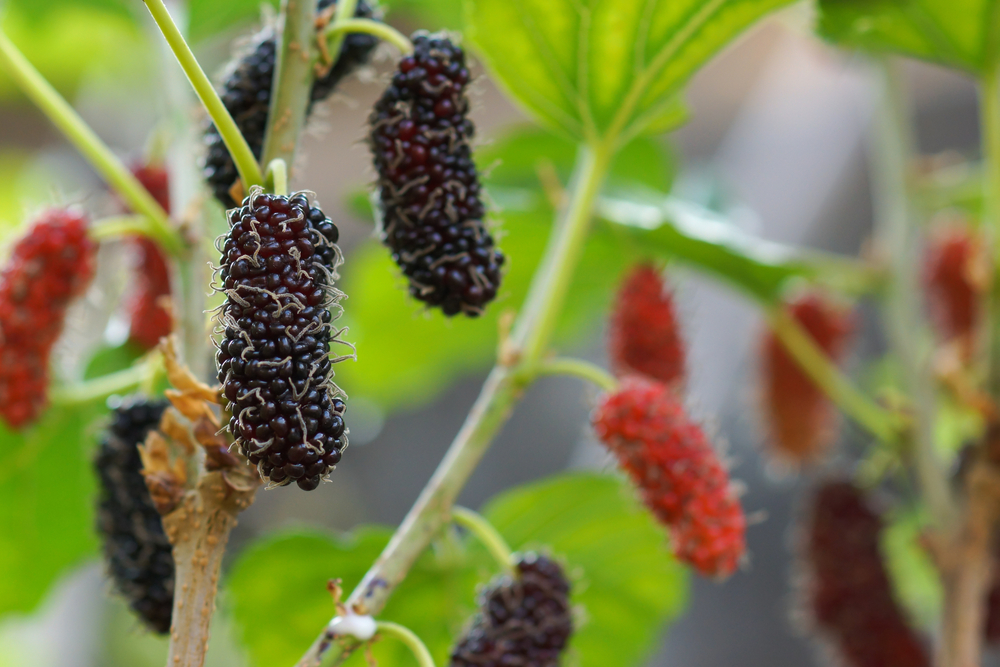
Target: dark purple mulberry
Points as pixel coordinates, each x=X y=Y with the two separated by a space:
x=136 y=548
x=246 y=93
x=847 y=594
x=523 y=622
x=432 y=212
x=279 y=262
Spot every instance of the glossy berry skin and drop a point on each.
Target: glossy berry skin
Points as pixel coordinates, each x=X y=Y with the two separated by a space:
x=644 y=334
x=246 y=92
x=847 y=593
x=522 y=622
x=432 y=211
x=678 y=473
x=799 y=418
x=52 y=264
x=149 y=319
x=136 y=548
x=278 y=264
x=950 y=264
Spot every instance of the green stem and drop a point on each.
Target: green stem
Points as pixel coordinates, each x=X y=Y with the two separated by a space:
x=546 y=297
x=881 y=423
x=578 y=368
x=384 y=31
x=484 y=531
x=236 y=144
x=345 y=12
x=64 y=117
x=294 y=73
x=107 y=385
x=898 y=234
x=120 y=226
x=502 y=389
x=408 y=637
x=277 y=177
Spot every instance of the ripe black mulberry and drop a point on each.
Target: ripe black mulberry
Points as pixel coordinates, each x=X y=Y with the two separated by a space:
x=136 y=548
x=522 y=621
x=432 y=211
x=246 y=93
x=279 y=263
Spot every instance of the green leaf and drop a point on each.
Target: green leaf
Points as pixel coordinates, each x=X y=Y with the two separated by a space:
x=399 y=371
x=46 y=503
x=208 y=17
x=109 y=360
x=698 y=237
x=957 y=33
x=630 y=586
x=604 y=69
x=913 y=574
x=625 y=578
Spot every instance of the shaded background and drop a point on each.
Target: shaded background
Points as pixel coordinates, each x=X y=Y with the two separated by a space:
x=778 y=130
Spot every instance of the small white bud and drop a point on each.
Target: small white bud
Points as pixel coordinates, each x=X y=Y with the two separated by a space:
x=360 y=627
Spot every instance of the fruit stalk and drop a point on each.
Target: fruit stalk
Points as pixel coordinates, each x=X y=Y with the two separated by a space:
x=65 y=118
x=504 y=386
x=245 y=161
x=408 y=637
x=881 y=423
x=383 y=31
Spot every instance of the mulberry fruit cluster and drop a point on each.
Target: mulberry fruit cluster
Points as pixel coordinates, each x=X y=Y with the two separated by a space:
x=149 y=319
x=48 y=267
x=681 y=479
x=246 y=93
x=136 y=548
x=848 y=595
x=951 y=263
x=522 y=621
x=432 y=211
x=278 y=266
x=645 y=337
x=798 y=415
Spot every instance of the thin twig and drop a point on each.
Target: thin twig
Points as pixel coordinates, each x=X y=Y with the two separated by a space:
x=503 y=388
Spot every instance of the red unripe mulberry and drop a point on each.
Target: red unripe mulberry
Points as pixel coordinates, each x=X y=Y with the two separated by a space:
x=48 y=267
x=149 y=318
x=847 y=593
x=644 y=336
x=800 y=420
x=954 y=278
x=681 y=479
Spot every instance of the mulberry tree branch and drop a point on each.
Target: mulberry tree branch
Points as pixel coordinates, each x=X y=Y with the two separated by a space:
x=503 y=388
x=199 y=529
x=297 y=54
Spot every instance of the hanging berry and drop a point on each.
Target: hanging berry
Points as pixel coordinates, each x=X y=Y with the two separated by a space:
x=679 y=474
x=954 y=279
x=149 y=319
x=799 y=418
x=52 y=264
x=847 y=593
x=246 y=92
x=136 y=548
x=644 y=336
x=279 y=262
x=432 y=212
x=522 y=621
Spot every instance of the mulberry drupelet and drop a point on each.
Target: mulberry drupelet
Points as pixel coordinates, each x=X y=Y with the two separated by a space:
x=279 y=263
x=246 y=93
x=432 y=211
x=136 y=547
x=522 y=621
